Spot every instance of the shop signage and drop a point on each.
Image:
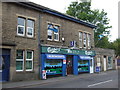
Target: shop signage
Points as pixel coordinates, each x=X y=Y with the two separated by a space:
x=55 y=56
x=85 y=57
x=64 y=61
x=97 y=69
x=58 y=50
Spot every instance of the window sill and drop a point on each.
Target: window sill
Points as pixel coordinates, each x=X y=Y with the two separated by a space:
x=25 y=37
x=24 y=71
x=54 y=41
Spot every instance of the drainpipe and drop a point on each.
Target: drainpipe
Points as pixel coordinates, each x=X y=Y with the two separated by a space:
x=39 y=47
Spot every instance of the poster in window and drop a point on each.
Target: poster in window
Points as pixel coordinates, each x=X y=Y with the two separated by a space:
x=53 y=66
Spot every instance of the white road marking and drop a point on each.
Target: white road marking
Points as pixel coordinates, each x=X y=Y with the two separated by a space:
x=99 y=83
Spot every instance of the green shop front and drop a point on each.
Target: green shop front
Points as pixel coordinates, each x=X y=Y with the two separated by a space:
x=64 y=61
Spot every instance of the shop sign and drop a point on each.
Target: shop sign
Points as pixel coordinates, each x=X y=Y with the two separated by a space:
x=64 y=61
x=97 y=69
x=85 y=57
x=53 y=50
x=58 y=50
x=55 y=56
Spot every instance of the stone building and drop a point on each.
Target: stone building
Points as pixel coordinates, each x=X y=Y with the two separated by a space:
x=36 y=38
x=105 y=59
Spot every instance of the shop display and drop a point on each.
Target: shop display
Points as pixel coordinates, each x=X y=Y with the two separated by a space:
x=83 y=66
x=53 y=66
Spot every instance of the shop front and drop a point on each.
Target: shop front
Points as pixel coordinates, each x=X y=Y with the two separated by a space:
x=64 y=61
x=54 y=64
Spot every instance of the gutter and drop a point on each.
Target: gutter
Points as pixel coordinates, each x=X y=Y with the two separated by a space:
x=53 y=12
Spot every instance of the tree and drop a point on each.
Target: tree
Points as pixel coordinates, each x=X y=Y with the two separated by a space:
x=116 y=46
x=83 y=11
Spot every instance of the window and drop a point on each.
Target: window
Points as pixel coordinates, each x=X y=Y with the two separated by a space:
x=98 y=61
x=84 y=39
x=109 y=62
x=21 y=27
x=81 y=39
x=19 y=60
x=30 y=28
x=89 y=40
x=53 y=32
x=49 y=35
x=29 y=60
x=56 y=34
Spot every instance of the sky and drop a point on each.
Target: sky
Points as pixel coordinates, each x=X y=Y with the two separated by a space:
x=109 y=6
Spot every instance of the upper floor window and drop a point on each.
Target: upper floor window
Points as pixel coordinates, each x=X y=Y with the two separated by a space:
x=80 y=39
x=30 y=28
x=89 y=40
x=53 y=32
x=25 y=25
x=21 y=26
x=85 y=40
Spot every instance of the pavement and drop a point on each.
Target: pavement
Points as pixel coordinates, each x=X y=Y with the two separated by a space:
x=49 y=80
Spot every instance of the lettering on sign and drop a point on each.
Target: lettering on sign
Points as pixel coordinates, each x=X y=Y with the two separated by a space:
x=88 y=52
x=53 y=50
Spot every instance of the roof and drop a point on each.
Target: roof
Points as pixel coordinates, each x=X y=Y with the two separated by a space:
x=54 y=12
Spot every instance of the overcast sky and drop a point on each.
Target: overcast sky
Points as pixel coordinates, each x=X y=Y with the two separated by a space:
x=110 y=6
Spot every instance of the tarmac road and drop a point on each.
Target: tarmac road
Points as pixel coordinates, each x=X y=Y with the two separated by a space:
x=108 y=79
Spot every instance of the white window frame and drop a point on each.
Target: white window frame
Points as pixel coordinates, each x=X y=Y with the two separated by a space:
x=89 y=41
x=30 y=28
x=22 y=27
x=80 y=40
x=20 y=60
x=51 y=35
x=85 y=40
x=29 y=60
x=57 y=35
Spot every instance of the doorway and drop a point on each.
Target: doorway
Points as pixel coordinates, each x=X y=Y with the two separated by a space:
x=69 y=64
x=105 y=63
x=4 y=67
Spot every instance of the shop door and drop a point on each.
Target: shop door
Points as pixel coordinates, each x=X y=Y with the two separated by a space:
x=4 y=67
x=104 y=63
x=69 y=65
x=91 y=66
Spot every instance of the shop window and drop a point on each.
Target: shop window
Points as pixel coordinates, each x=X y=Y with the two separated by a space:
x=29 y=60
x=19 y=60
x=98 y=61
x=53 y=32
x=109 y=62
x=30 y=28
x=89 y=40
x=84 y=40
x=21 y=27
x=53 y=66
x=81 y=39
x=83 y=65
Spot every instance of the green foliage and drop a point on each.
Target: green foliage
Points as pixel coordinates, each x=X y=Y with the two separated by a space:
x=83 y=11
x=116 y=46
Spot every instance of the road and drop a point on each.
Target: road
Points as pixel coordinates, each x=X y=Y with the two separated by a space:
x=108 y=79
